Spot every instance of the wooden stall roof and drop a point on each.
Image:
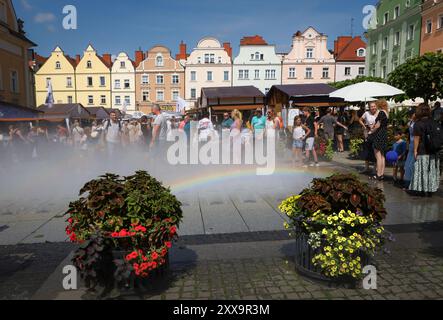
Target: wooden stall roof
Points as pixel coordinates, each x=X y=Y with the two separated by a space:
x=12 y=113
x=232 y=92
x=64 y=111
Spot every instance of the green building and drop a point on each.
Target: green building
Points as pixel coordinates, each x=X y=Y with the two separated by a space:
x=395 y=37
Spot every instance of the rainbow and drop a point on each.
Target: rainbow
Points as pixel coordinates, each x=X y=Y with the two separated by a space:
x=218 y=177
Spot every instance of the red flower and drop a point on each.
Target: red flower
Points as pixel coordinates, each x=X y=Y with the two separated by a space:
x=123 y=233
x=73 y=237
x=115 y=234
x=154 y=265
x=173 y=230
x=70 y=220
x=164 y=252
x=132 y=256
x=168 y=244
x=154 y=255
x=140 y=229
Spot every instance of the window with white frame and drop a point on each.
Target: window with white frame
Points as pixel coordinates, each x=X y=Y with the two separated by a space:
x=175 y=95
x=411 y=31
x=145 y=79
x=270 y=74
x=175 y=79
x=90 y=100
x=361 y=52
x=347 y=71
x=102 y=81
x=226 y=76
x=89 y=82
x=160 y=79
x=160 y=95
x=70 y=99
x=14 y=82
x=292 y=73
x=102 y=100
x=241 y=75
x=193 y=93
x=122 y=64
x=386 y=18
x=310 y=53
x=396 y=12
x=3 y=11
x=127 y=100
x=127 y=84
x=193 y=76
x=209 y=76
x=397 y=38
x=361 y=71
x=209 y=58
x=58 y=65
x=159 y=61
x=428 y=26
x=385 y=43
x=117 y=84
x=325 y=73
x=118 y=100
x=145 y=96
x=308 y=74
x=257 y=74
x=89 y=64
x=69 y=82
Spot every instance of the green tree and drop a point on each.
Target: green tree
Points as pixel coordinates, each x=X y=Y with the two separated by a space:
x=345 y=83
x=420 y=77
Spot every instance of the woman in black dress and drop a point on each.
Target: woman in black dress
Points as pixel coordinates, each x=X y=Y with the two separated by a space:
x=340 y=129
x=380 y=138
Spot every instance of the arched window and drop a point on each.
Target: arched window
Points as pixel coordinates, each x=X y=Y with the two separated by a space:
x=361 y=52
x=159 y=61
x=58 y=65
x=89 y=64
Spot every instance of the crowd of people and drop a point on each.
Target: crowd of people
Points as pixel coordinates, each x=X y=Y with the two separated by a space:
x=416 y=168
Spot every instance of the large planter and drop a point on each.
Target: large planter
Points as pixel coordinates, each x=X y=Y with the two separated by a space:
x=304 y=253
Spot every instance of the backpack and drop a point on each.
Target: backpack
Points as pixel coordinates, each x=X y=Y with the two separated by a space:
x=434 y=137
x=109 y=124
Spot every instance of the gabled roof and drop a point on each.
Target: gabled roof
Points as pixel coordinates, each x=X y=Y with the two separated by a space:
x=98 y=112
x=253 y=41
x=232 y=92
x=74 y=110
x=345 y=48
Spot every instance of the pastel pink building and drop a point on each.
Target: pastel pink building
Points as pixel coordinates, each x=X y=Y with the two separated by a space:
x=309 y=60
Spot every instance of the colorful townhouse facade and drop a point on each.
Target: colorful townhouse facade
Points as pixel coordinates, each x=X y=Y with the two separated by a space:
x=432 y=26
x=93 y=79
x=58 y=70
x=395 y=37
x=309 y=60
x=16 y=77
x=123 y=83
x=350 y=56
x=208 y=65
x=257 y=64
x=160 y=79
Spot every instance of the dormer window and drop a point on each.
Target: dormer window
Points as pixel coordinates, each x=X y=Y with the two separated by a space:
x=89 y=65
x=58 y=65
x=122 y=65
x=361 y=52
x=159 y=61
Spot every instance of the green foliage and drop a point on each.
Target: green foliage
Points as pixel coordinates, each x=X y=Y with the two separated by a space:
x=420 y=77
x=345 y=83
x=355 y=147
x=325 y=148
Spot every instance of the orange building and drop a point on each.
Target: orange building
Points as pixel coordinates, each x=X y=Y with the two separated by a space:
x=432 y=26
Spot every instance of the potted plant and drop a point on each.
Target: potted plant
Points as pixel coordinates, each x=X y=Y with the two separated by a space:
x=125 y=227
x=338 y=227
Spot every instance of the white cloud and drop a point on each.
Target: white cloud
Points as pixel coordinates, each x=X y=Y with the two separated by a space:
x=26 y=5
x=44 y=17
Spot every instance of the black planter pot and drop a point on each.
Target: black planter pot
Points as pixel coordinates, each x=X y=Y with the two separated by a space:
x=304 y=253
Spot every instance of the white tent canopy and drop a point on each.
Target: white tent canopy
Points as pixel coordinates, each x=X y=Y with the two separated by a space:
x=365 y=91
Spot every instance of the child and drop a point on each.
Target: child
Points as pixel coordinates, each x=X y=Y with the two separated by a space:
x=401 y=148
x=300 y=132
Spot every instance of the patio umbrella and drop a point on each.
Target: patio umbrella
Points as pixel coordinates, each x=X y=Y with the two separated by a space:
x=365 y=91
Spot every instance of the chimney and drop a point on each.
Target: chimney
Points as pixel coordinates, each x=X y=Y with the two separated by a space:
x=182 y=54
x=139 y=57
x=228 y=49
x=108 y=59
x=77 y=59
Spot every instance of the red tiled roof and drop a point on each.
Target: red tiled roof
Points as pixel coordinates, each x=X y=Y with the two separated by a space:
x=345 y=48
x=253 y=41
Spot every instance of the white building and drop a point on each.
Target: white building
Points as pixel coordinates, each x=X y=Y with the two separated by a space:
x=257 y=64
x=123 y=83
x=209 y=65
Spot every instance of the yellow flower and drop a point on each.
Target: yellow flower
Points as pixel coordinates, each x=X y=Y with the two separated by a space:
x=325 y=232
x=286 y=225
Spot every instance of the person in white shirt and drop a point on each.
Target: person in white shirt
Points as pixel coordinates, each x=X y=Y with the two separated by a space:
x=300 y=132
x=77 y=134
x=367 y=121
x=113 y=134
x=205 y=129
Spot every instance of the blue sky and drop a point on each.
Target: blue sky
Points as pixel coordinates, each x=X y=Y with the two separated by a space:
x=127 y=25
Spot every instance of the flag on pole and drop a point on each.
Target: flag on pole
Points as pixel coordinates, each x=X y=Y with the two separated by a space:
x=180 y=106
x=50 y=96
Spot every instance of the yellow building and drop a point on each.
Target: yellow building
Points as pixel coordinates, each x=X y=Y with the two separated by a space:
x=93 y=79
x=16 y=77
x=59 y=70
